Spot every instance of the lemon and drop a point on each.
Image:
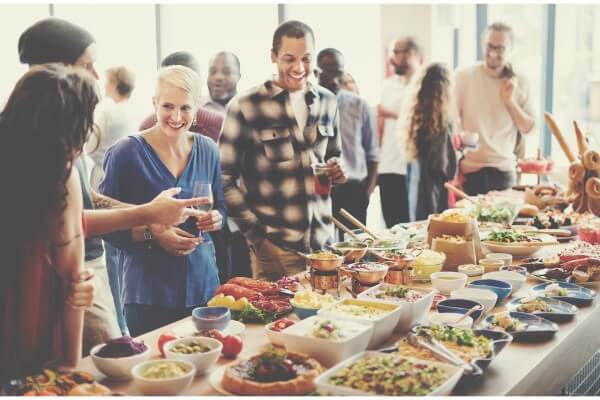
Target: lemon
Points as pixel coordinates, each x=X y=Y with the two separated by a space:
x=239 y=305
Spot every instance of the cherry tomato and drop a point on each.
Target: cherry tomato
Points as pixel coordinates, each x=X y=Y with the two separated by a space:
x=164 y=338
x=232 y=346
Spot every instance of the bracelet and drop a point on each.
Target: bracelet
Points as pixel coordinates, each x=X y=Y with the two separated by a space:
x=148 y=238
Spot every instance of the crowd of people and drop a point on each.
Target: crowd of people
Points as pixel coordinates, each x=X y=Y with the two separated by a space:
x=109 y=232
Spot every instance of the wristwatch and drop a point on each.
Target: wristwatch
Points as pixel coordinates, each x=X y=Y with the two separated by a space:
x=148 y=238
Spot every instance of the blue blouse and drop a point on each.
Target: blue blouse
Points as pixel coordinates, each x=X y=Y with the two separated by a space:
x=135 y=174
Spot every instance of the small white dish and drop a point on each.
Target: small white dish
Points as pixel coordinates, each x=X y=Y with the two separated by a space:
x=163 y=387
x=451 y=320
x=487 y=298
x=516 y=280
x=471 y=269
x=506 y=258
x=203 y=362
x=117 y=368
x=448 y=281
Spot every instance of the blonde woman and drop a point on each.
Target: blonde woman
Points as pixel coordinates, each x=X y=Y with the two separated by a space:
x=426 y=128
x=165 y=273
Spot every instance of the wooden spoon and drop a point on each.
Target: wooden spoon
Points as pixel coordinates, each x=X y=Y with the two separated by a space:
x=357 y=223
x=460 y=193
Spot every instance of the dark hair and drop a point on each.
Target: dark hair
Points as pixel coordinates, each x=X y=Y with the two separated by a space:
x=124 y=78
x=500 y=27
x=236 y=60
x=430 y=114
x=329 y=51
x=293 y=29
x=184 y=58
x=411 y=43
x=44 y=125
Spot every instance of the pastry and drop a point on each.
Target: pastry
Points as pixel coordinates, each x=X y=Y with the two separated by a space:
x=274 y=372
x=90 y=389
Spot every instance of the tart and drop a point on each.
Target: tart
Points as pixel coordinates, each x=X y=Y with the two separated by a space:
x=274 y=372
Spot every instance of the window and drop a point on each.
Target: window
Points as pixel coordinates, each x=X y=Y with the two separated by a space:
x=125 y=35
x=577 y=74
x=353 y=29
x=14 y=19
x=526 y=22
x=459 y=20
x=204 y=30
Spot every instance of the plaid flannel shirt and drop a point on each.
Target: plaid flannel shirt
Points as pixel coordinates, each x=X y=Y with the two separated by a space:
x=262 y=145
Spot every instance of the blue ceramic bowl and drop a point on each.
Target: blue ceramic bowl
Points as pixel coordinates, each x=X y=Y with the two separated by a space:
x=460 y=306
x=302 y=312
x=501 y=288
x=205 y=318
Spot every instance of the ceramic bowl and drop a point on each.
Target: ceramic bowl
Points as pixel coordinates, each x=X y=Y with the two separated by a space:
x=501 y=288
x=486 y=298
x=447 y=281
x=206 y=318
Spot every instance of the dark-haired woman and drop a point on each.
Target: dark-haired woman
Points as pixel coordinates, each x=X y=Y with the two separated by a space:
x=44 y=124
x=426 y=126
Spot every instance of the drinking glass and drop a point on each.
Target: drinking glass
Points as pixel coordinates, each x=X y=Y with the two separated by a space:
x=203 y=189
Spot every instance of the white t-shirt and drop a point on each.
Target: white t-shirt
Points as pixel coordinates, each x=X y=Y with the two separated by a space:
x=392 y=159
x=300 y=107
x=482 y=110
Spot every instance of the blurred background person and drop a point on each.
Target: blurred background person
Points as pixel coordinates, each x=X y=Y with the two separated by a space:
x=426 y=129
x=223 y=77
x=349 y=84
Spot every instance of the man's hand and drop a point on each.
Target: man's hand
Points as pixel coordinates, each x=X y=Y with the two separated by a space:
x=336 y=172
x=165 y=210
x=507 y=88
x=175 y=241
x=210 y=221
x=81 y=292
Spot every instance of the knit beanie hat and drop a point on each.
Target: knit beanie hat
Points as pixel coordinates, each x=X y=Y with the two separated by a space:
x=53 y=40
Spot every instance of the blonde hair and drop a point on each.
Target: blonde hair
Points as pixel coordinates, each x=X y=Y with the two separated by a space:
x=427 y=108
x=123 y=78
x=180 y=77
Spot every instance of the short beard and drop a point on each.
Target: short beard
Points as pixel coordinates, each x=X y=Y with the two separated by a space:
x=400 y=70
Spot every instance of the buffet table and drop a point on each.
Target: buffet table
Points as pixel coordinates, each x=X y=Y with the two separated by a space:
x=520 y=369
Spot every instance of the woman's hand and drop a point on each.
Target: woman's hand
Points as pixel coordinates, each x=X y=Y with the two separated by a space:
x=210 y=221
x=81 y=292
x=176 y=241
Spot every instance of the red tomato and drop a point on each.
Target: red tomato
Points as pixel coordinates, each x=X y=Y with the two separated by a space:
x=164 y=338
x=232 y=346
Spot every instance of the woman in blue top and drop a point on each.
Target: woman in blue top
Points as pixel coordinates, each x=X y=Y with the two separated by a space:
x=166 y=271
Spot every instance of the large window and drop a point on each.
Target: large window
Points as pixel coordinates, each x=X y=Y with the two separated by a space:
x=526 y=22
x=577 y=74
x=245 y=30
x=353 y=29
x=14 y=19
x=125 y=35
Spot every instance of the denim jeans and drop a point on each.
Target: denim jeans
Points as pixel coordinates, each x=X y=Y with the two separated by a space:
x=114 y=278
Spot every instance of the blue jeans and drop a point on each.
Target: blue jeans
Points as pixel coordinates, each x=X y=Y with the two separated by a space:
x=114 y=278
x=142 y=318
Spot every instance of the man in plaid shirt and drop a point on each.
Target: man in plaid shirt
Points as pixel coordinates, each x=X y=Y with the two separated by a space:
x=271 y=137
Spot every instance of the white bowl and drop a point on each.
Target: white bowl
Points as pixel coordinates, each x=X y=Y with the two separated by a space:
x=450 y=319
x=383 y=324
x=486 y=297
x=163 y=387
x=506 y=258
x=412 y=312
x=202 y=361
x=274 y=337
x=491 y=265
x=118 y=369
x=325 y=388
x=296 y=338
x=516 y=280
x=469 y=271
x=447 y=281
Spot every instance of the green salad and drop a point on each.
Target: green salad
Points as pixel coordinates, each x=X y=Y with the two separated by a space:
x=499 y=214
x=509 y=237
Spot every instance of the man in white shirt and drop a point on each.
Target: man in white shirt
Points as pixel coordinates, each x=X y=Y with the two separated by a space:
x=405 y=57
x=495 y=103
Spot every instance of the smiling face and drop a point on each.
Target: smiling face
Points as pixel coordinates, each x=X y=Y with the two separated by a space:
x=175 y=110
x=223 y=77
x=294 y=62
